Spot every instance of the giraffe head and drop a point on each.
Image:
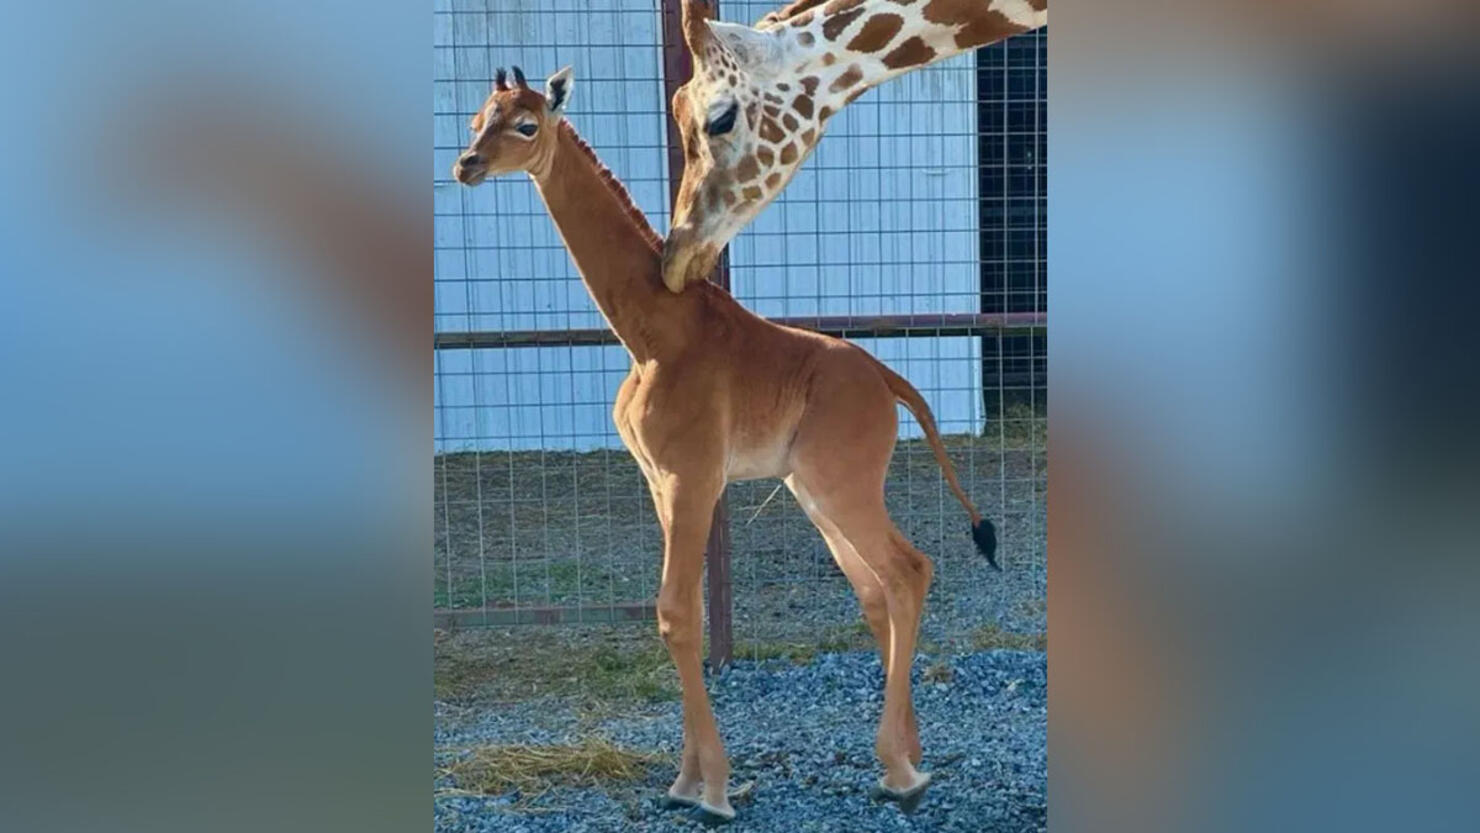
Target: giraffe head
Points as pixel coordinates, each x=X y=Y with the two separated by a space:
x=747 y=122
x=515 y=129
x=761 y=97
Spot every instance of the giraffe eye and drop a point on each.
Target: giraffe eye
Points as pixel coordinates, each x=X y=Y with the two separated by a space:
x=528 y=128
x=724 y=122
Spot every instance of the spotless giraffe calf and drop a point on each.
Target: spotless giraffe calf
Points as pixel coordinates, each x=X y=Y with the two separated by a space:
x=717 y=394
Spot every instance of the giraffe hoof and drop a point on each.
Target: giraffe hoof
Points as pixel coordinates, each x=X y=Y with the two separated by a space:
x=908 y=800
x=711 y=816
x=675 y=802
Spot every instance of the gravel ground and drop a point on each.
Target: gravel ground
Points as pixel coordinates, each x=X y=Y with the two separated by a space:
x=804 y=734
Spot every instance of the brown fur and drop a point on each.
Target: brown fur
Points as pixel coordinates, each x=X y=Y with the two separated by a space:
x=986 y=29
x=876 y=33
x=850 y=76
x=717 y=394
x=912 y=52
x=979 y=25
x=833 y=26
x=749 y=169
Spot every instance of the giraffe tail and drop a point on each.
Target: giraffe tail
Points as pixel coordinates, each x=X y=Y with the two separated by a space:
x=982 y=531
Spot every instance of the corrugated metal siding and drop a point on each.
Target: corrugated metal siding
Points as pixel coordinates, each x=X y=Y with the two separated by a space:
x=882 y=219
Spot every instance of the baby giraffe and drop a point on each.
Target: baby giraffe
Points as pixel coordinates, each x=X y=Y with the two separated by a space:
x=717 y=394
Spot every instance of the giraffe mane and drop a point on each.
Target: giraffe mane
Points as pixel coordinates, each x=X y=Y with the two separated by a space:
x=616 y=188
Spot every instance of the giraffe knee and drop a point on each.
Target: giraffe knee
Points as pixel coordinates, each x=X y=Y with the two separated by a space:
x=675 y=625
x=871 y=599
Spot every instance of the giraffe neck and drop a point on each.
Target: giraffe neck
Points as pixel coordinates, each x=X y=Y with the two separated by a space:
x=852 y=45
x=617 y=253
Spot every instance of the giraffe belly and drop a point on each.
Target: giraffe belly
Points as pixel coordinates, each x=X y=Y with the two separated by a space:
x=758 y=461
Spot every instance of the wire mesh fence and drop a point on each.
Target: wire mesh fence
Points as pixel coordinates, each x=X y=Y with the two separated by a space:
x=921 y=215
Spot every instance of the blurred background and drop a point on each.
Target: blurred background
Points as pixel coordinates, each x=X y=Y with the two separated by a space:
x=216 y=306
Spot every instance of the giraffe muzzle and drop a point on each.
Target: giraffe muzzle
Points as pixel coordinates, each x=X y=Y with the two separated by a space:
x=685 y=259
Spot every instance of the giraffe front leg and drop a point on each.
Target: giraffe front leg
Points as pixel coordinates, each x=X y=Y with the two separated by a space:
x=686 y=510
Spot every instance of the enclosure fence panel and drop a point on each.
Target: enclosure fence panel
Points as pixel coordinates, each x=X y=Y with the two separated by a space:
x=917 y=229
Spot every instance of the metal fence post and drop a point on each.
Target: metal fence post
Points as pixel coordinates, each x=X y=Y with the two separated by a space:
x=677 y=68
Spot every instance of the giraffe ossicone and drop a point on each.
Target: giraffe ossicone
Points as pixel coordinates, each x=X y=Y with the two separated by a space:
x=760 y=98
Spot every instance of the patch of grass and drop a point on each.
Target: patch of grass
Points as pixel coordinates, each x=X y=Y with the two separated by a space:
x=615 y=665
x=532 y=770
x=855 y=637
x=992 y=637
x=644 y=674
x=939 y=671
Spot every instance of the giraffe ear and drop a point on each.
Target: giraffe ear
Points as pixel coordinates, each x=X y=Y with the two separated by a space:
x=557 y=90
x=749 y=46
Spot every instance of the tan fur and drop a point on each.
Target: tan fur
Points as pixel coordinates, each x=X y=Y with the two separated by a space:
x=717 y=394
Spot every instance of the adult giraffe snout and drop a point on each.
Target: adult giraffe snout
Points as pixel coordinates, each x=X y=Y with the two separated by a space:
x=686 y=258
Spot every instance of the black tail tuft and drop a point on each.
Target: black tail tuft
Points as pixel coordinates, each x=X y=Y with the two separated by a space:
x=985 y=536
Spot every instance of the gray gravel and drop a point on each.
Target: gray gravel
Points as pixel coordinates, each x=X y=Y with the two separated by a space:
x=805 y=735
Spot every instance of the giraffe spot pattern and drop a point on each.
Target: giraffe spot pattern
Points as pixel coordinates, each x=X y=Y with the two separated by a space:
x=773 y=112
x=789 y=153
x=810 y=84
x=730 y=198
x=748 y=169
x=803 y=19
x=772 y=181
x=986 y=29
x=802 y=104
x=806 y=39
x=771 y=132
x=825 y=113
x=752 y=192
x=828 y=58
x=850 y=77
x=912 y=52
x=789 y=121
x=765 y=155
x=834 y=26
x=876 y=33
x=808 y=137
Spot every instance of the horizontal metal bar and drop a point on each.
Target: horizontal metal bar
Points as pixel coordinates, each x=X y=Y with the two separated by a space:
x=842 y=326
x=562 y=615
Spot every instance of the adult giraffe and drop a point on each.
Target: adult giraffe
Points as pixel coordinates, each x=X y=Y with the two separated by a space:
x=717 y=394
x=761 y=98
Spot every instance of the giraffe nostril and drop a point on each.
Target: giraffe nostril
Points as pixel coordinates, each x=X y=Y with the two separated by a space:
x=470 y=160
